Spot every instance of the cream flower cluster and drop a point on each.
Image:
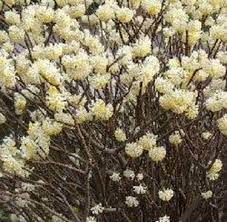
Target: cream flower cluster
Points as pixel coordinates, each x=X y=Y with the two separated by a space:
x=140 y=189
x=97 y=209
x=213 y=172
x=8 y=77
x=131 y=201
x=206 y=135
x=115 y=177
x=175 y=83
x=222 y=124
x=175 y=138
x=166 y=194
x=33 y=146
x=207 y=195
x=130 y=174
x=11 y=159
x=101 y=111
x=120 y=135
x=133 y=150
x=2 y=119
x=164 y=219
x=148 y=143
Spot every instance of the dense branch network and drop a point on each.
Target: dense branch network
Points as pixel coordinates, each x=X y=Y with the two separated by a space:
x=112 y=110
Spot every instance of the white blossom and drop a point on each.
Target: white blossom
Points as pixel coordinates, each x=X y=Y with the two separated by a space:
x=140 y=189
x=115 y=177
x=166 y=194
x=131 y=201
x=97 y=209
x=206 y=195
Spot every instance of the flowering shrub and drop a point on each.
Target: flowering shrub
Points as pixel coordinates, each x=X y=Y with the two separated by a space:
x=112 y=110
